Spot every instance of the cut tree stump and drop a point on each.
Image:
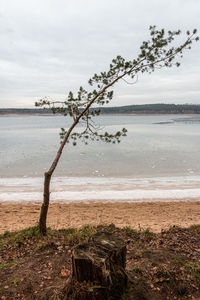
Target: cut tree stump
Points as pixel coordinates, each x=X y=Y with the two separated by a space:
x=98 y=269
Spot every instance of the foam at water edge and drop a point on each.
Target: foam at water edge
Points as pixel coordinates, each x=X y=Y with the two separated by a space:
x=37 y=181
x=75 y=189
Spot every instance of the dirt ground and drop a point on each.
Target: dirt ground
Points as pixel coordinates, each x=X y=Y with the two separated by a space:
x=153 y=215
x=162 y=266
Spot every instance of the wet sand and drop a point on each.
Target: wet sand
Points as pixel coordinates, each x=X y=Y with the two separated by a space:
x=153 y=215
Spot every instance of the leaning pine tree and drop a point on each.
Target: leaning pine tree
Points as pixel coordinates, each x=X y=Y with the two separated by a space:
x=156 y=53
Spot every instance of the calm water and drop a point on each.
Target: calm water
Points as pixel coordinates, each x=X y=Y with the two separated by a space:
x=161 y=152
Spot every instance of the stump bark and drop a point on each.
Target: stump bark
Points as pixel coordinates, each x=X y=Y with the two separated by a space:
x=98 y=268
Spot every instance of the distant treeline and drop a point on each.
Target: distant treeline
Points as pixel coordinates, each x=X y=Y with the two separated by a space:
x=25 y=111
x=154 y=108
x=129 y=109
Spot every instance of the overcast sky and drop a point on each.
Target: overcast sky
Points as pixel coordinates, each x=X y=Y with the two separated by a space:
x=48 y=47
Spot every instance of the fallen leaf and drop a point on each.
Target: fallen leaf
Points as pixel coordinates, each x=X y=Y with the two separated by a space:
x=64 y=272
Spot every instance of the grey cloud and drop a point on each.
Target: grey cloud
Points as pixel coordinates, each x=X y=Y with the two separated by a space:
x=49 y=47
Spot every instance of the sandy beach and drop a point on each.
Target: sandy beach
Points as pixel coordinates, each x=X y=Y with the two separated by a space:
x=153 y=215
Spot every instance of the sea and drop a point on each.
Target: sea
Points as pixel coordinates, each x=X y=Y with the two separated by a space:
x=158 y=160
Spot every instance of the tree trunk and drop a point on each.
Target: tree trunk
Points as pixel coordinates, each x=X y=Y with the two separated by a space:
x=45 y=205
x=98 y=269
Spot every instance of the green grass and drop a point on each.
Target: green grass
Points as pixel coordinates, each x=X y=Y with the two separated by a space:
x=8 y=265
x=13 y=281
x=130 y=232
x=195 y=228
x=193 y=269
x=155 y=269
x=75 y=236
x=20 y=236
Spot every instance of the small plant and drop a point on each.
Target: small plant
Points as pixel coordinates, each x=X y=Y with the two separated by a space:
x=13 y=281
x=75 y=236
x=147 y=235
x=6 y=234
x=193 y=269
x=174 y=228
x=23 y=235
x=110 y=228
x=88 y=230
x=195 y=228
x=130 y=232
x=137 y=270
x=8 y=265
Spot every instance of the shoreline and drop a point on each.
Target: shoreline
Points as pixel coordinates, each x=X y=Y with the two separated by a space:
x=156 y=216
x=101 y=189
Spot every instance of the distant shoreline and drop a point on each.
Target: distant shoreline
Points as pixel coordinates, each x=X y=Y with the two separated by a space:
x=145 y=109
x=103 y=113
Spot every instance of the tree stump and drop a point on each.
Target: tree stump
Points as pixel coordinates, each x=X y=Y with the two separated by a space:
x=99 y=268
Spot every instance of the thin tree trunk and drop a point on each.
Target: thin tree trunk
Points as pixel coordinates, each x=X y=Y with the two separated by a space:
x=45 y=205
x=47 y=175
